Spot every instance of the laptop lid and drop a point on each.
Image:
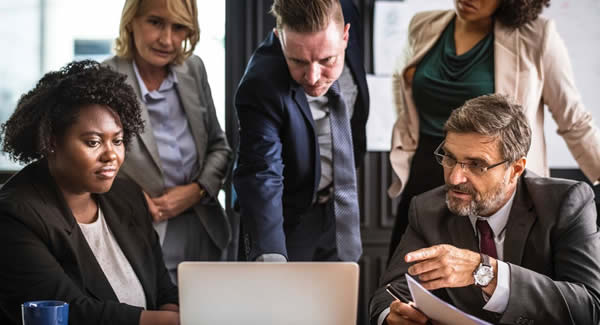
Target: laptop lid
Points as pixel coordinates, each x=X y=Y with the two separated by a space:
x=225 y=293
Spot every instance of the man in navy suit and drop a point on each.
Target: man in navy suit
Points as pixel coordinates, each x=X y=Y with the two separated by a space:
x=286 y=169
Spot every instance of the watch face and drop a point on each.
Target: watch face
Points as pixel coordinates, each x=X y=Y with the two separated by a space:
x=483 y=275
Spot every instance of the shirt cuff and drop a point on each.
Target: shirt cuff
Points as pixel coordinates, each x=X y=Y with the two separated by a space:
x=271 y=258
x=499 y=299
x=206 y=197
x=382 y=316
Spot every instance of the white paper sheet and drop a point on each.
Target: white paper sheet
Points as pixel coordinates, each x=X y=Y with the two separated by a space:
x=382 y=113
x=438 y=310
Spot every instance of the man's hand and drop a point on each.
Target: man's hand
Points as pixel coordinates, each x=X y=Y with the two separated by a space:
x=176 y=200
x=401 y=314
x=445 y=266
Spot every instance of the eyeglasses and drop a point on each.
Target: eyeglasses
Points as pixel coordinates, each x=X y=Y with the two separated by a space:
x=473 y=167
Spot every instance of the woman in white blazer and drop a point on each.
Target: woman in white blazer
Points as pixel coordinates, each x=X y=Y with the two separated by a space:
x=483 y=46
x=182 y=157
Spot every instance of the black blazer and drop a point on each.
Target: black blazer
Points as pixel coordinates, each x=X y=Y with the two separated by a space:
x=277 y=130
x=45 y=255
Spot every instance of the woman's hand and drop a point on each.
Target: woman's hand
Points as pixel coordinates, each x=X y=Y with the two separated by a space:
x=156 y=216
x=176 y=200
x=159 y=317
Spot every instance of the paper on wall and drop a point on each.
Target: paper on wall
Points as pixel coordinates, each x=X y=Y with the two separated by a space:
x=382 y=113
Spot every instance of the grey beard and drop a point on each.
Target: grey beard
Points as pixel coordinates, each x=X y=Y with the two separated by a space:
x=477 y=206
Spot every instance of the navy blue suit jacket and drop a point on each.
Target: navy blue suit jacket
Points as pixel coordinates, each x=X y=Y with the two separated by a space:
x=279 y=169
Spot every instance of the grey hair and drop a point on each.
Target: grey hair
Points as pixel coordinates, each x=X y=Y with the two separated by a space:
x=494 y=116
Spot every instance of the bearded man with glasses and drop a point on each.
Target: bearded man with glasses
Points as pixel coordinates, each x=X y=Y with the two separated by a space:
x=497 y=241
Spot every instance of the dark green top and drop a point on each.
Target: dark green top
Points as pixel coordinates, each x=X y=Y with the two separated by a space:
x=443 y=80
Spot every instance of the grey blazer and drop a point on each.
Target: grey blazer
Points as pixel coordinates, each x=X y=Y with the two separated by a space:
x=142 y=162
x=552 y=247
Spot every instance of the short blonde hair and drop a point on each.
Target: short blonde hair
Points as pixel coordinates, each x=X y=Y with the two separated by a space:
x=184 y=12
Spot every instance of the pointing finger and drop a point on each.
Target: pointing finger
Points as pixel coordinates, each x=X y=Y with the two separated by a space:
x=422 y=254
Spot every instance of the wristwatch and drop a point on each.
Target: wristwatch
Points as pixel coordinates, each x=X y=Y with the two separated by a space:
x=202 y=190
x=484 y=273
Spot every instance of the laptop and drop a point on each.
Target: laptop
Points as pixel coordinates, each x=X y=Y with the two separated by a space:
x=294 y=293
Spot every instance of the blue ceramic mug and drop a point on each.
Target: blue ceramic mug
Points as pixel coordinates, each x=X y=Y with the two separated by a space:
x=45 y=312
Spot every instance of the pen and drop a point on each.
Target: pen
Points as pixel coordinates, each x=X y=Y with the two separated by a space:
x=399 y=296
x=396 y=294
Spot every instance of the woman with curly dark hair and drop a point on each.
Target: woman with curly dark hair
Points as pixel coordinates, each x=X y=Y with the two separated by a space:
x=69 y=230
x=482 y=47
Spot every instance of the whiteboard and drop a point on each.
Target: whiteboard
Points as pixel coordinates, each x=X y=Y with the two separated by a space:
x=390 y=29
x=578 y=23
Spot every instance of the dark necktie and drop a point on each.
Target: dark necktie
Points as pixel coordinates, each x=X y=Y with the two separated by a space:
x=345 y=198
x=486 y=240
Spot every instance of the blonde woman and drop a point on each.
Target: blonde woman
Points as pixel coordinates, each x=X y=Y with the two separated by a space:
x=182 y=157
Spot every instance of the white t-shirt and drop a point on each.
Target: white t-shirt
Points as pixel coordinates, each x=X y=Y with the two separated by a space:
x=113 y=262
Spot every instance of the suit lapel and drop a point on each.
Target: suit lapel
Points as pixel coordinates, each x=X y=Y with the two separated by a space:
x=431 y=33
x=506 y=50
x=462 y=233
x=189 y=93
x=506 y=60
x=146 y=137
x=300 y=98
x=519 y=225
x=52 y=196
x=120 y=222
x=95 y=280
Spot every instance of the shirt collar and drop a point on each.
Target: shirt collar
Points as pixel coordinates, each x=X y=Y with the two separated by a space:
x=498 y=220
x=167 y=84
x=320 y=100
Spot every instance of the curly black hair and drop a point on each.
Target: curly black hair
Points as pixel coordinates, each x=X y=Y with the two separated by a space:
x=53 y=105
x=516 y=13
